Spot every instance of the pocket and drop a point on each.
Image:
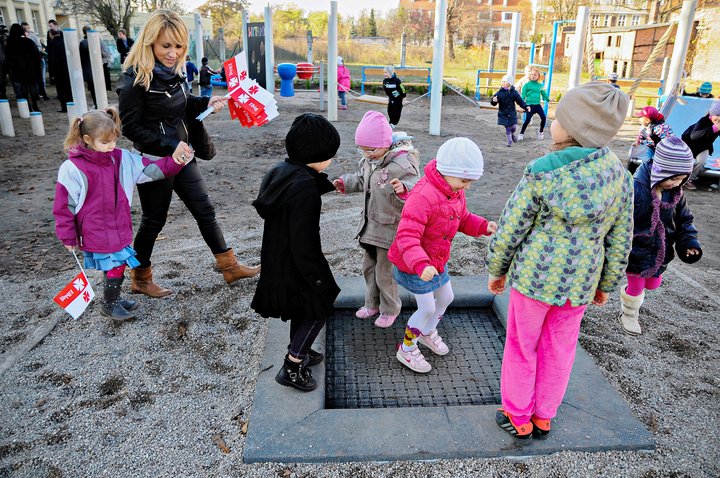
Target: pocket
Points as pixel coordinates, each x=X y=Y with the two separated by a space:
x=383 y=217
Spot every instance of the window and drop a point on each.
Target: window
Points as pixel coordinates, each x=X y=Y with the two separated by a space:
x=607 y=21
x=507 y=17
x=618 y=39
x=622 y=20
x=35 y=14
x=20 y=14
x=636 y=20
x=2 y=16
x=609 y=43
x=595 y=20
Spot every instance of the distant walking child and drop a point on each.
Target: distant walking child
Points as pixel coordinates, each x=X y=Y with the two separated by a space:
x=507 y=97
x=396 y=92
x=93 y=196
x=533 y=92
x=388 y=170
x=653 y=129
x=296 y=283
x=662 y=222
x=434 y=212
x=563 y=237
x=343 y=82
x=205 y=78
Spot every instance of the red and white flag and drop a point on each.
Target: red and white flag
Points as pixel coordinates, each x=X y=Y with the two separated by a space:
x=249 y=102
x=76 y=296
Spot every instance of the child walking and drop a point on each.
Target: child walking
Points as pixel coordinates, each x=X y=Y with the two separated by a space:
x=506 y=97
x=662 y=221
x=563 y=237
x=296 y=283
x=396 y=92
x=93 y=195
x=434 y=212
x=653 y=129
x=388 y=170
x=533 y=92
x=205 y=78
x=343 y=82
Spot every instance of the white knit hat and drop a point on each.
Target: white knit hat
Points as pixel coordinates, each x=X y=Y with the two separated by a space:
x=508 y=79
x=340 y=60
x=461 y=158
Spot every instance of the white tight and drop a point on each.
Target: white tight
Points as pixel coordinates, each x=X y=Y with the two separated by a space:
x=431 y=307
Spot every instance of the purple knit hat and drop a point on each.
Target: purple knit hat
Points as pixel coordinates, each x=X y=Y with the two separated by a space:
x=672 y=158
x=715 y=108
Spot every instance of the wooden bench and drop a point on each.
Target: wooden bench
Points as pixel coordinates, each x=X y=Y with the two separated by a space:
x=402 y=73
x=626 y=83
x=492 y=81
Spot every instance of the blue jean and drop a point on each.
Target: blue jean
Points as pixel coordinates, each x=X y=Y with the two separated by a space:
x=342 y=94
x=206 y=91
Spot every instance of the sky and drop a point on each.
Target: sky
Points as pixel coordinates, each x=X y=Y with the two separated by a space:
x=345 y=7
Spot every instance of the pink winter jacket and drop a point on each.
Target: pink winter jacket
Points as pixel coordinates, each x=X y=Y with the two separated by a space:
x=432 y=215
x=343 y=78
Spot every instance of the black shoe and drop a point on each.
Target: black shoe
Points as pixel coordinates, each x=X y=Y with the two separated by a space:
x=112 y=306
x=129 y=304
x=314 y=357
x=296 y=375
x=521 y=434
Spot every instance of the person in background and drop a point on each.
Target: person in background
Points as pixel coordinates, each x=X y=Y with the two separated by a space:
x=85 y=64
x=507 y=96
x=343 y=82
x=396 y=92
x=123 y=43
x=700 y=138
x=704 y=91
x=653 y=129
x=3 y=72
x=23 y=64
x=533 y=93
x=58 y=68
x=43 y=65
x=205 y=78
x=53 y=27
x=612 y=79
x=190 y=70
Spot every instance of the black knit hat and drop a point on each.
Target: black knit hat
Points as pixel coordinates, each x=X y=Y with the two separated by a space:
x=311 y=139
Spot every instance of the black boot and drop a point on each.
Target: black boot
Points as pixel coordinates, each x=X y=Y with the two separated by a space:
x=296 y=375
x=112 y=307
x=314 y=357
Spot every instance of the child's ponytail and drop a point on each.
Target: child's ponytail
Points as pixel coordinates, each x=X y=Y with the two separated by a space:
x=74 y=136
x=97 y=124
x=114 y=115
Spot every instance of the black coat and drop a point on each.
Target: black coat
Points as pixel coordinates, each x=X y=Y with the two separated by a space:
x=22 y=60
x=155 y=119
x=700 y=136
x=507 y=114
x=652 y=247
x=122 y=49
x=295 y=279
x=394 y=89
x=58 y=68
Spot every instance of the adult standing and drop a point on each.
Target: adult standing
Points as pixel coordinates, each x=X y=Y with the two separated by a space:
x=106 y=57
x=86 y=65
x=53 y=27
x=53 y=30
x=43 y=65
x=124 y=43
x=23 y=63
x=154 y=106
x=58 y=68
x=700 y=138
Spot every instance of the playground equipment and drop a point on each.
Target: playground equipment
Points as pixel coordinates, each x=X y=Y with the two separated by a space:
x=36 y=122
x=402 y=73
x=72 y=51
x=23 y=108
x=6 y=122
x=286 y=71
x=96 y=65
x=305 y=71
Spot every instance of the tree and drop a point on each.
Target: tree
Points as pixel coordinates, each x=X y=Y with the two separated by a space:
x=226 y=14
x=372 y=25
x=112 y=14
x=318 y=23
x=460 y=20
x=289 y=22
x=565 y=9
x=152 y=5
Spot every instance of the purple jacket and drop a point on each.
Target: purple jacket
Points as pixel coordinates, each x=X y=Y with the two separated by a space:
x=93 y=196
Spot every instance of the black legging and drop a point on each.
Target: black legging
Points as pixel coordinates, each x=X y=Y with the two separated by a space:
x=155 y=197
x=394 y=111
x=303 y=333
x=528 y=116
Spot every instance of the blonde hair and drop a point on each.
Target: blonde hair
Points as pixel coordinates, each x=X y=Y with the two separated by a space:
x=98 y=124
x=142 y=58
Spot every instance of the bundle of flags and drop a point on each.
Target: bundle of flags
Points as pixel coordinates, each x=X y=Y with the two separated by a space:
x=248 y=102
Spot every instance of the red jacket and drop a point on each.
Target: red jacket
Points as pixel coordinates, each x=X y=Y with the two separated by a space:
x=432 y=215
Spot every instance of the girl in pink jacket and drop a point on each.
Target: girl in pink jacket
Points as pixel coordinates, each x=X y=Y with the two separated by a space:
x=434 y=212
x=343 y=82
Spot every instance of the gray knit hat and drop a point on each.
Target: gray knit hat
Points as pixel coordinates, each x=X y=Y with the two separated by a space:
x=592 y=113
x=672 y=158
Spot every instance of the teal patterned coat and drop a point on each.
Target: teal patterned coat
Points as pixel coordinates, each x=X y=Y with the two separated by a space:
x=567 y=228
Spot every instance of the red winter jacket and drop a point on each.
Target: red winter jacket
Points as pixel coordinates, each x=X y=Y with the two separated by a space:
x=432 y=215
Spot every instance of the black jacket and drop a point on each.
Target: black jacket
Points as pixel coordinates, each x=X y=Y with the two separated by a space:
x=122 y=49
x=295 y=280
x=700 y=136
x=155 y=119
x=652 y=245
x=394 y=89
x=22 y=60
x=507 y=114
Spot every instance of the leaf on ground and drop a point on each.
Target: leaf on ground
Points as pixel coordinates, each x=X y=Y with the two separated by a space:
x=218 y=440
x=161 y=238
x=182 y=330
x=243 y=427
x=285 y=473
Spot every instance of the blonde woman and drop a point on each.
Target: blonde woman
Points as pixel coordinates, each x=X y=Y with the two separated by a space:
x=155 y=107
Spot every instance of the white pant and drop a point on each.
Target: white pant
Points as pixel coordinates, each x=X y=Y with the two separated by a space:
x=699 y=165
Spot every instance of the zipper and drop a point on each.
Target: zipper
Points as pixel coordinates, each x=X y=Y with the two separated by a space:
x=162 y=128
x=187 y=133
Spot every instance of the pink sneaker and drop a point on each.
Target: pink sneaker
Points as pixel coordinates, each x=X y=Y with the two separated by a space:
x=413 y=360
x=434 y=342
x=385 y=320
x=366 y=312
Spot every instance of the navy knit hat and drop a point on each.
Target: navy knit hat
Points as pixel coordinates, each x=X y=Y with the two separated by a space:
x=672 y=158
x=311 y=139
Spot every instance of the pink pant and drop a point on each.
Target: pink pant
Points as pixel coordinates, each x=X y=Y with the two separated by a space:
x=540 y=342
x=636 y=284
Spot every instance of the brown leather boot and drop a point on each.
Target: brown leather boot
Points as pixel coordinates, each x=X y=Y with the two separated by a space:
x=231 y=269
x=142 y=283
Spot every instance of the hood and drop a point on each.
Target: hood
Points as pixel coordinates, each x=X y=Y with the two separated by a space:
x=434 y=177
x=582 y=191
x=87 y=154
x=285 y=180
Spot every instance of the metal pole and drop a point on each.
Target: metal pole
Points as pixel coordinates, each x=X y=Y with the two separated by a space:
x=532 y=53
x=309 y=46
x=514 y=39
x=72 y=51
x=199 y=42
x=332 y=63
x=221 y=37
x=93 y=39
x=403 y=49
x=269 y=57
x=682 y=40
x=437 y=67
x=491 y=60
x=577 y=56
x=664 y=75
x=244 y=16
x=321 y=74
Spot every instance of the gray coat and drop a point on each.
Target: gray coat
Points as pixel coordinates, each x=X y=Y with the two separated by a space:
x=381 y=208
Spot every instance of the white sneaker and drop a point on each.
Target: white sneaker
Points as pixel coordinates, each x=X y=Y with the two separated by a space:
x=521 y=137
x=413 y=360
x=434 y=342
x=541 y=135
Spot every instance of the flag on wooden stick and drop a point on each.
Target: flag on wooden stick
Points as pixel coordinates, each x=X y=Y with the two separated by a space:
x=76 y=295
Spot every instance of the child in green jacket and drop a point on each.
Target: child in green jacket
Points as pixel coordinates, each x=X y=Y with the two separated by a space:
x=532 y=93
x=564 y=239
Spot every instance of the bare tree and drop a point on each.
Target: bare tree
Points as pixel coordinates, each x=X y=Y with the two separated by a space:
x=461 y=19
x=564 y=9
x=152 y=5
x=112 y=14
